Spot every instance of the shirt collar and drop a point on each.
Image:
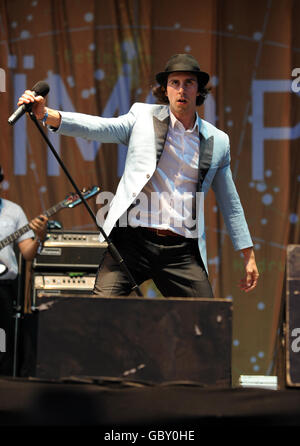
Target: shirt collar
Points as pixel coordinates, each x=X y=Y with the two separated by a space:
x=174 y=121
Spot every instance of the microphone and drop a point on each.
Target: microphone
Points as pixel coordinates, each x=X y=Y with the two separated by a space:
x=41 y=88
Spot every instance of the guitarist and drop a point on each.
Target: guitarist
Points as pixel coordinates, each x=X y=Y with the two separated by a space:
x=12 y=218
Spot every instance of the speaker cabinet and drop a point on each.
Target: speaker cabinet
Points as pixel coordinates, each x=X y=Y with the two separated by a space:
x=293 y=316
x=146 y=339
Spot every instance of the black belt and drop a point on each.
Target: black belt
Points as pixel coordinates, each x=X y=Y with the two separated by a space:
x=162 y=232
x=165 y=234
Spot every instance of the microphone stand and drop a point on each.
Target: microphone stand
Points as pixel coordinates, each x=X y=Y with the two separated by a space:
x=111 y=247
x=18 y=309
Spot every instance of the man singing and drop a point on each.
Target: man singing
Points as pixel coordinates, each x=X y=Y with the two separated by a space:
x=171 y=153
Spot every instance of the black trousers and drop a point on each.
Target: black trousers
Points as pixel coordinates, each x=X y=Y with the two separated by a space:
x=172 y=262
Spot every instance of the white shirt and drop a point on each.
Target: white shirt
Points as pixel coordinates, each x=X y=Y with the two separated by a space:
x=168 y=199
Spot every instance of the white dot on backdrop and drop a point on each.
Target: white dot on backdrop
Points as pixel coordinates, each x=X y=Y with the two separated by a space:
x=256 y=367
x=267 y=199
x=215 y=208
x=187 y=48
x=230 y=27
x=261 y=354
x=253 y=359
x=92 y=90
x=32 y=166
x=251 y=184
x=261 y=187
x=70 y=80
x=92 y=47
x=43 y=189
x=25 y=34
x=236 y=342
x=294 y=218
x=214 y=261
x=230 y=123
x=276 y=189
x=298 y=177
x=29 y=17
x=264 y=221
x=34 y=3
x=5 y=185
x=261 y=306
x=228 y=109
x=250 y=119
x=99 y=74
x=89 y=17
x=14 y=24
x=214 y=81
x=85 y=94
x=257 y=246
x=177 y=25
x=268 y=173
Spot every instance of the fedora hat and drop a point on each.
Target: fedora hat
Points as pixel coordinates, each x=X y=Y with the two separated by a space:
x=182 y=62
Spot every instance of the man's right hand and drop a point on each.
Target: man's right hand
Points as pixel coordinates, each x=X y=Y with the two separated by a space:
x=39 y=108
x=39 y=103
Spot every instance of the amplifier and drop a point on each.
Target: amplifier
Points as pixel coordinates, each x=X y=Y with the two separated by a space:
x=47 y=285
x=73 y=250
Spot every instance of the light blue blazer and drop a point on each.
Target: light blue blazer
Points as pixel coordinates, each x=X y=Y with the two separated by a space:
x=144 y=129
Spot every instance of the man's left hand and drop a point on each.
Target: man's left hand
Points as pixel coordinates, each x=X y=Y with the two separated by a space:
x=249 y=281
x=39 y=226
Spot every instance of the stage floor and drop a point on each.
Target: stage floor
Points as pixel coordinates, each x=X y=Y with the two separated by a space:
x=111 y=403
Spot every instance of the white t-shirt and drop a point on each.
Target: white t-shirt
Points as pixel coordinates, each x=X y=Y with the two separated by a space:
x=12 y=218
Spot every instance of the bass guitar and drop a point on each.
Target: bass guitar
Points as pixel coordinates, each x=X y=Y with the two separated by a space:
x=70 y=201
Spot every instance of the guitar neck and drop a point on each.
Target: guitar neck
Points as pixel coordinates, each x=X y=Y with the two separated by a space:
x=15 y=235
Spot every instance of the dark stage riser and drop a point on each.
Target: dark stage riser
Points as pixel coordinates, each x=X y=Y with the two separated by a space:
x=153 y=340
x=293 y=316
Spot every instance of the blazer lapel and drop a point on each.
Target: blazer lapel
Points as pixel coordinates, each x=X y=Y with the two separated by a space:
x=205 y=158
x=160 y=123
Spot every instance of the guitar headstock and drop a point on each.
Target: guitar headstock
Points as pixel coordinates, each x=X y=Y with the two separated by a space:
x=74 y=199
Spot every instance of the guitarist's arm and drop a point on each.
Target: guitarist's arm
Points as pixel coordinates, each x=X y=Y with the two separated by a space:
x=30 y=246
